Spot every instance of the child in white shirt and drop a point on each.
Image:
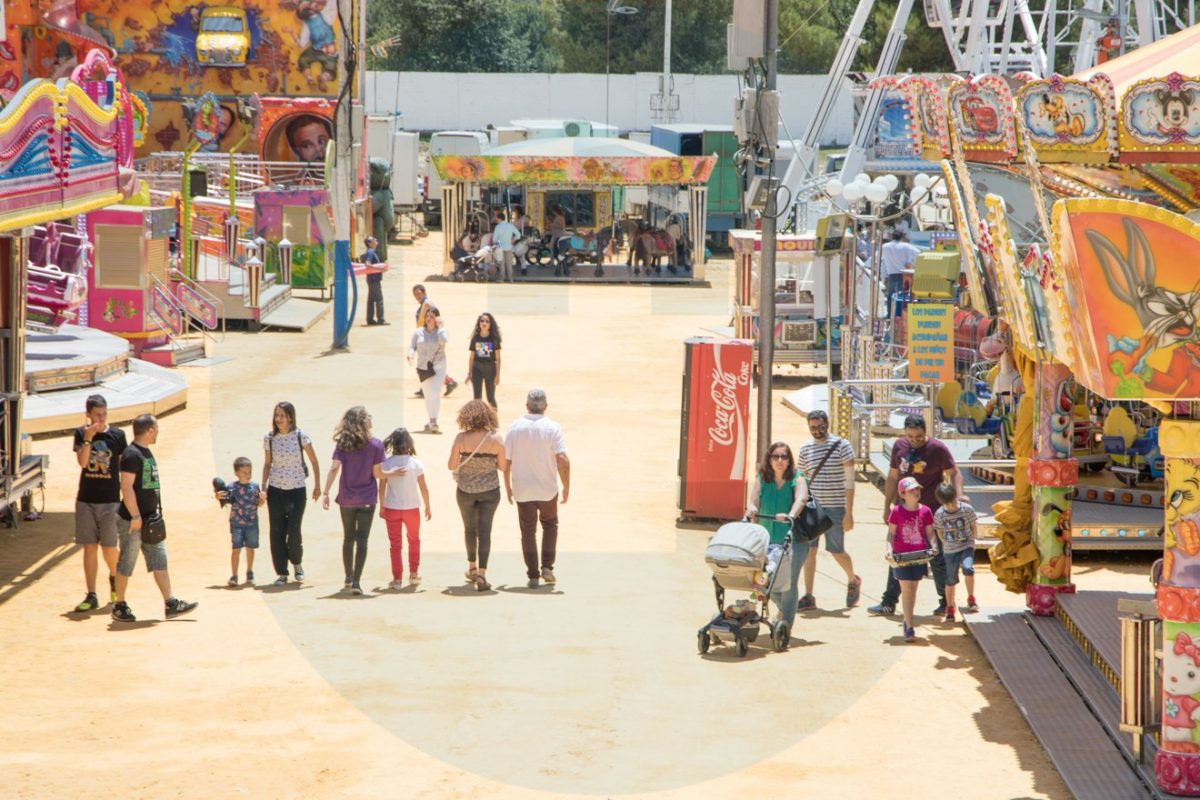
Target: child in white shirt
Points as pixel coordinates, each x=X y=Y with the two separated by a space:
x=400 y=506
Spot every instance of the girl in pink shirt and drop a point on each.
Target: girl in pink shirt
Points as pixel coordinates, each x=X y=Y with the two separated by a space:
x=910 y=528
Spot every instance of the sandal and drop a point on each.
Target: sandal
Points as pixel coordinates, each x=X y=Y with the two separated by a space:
x=481 y=584
x=470 y=574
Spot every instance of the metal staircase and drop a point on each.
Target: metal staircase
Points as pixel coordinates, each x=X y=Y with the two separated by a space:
x=189 y=316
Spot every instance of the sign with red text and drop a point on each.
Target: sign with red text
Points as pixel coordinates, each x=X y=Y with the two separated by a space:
x=930 y=342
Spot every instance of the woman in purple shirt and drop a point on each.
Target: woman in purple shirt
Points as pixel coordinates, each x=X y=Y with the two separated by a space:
x=356 y=457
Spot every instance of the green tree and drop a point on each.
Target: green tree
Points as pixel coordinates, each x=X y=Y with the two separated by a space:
x=697 y=36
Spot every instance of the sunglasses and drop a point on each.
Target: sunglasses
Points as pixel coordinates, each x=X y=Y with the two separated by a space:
x=780 y=457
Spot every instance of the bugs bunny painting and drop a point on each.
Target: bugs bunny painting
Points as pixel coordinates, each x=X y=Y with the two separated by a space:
x=1169 y=318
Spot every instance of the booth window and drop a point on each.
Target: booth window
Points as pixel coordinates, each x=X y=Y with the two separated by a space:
x=579 y=207
x=296 y=224
x=119 y=257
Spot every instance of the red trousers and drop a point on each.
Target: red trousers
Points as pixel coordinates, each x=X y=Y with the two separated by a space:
x=399 y=521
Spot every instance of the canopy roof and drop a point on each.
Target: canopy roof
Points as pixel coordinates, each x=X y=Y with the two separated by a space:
x=577 y=161
x=601 y=147
x=1179 y=52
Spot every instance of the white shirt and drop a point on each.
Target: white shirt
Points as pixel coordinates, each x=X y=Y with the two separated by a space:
x=897 y=256
x=505 y=235
x=531 y=446
x=287 y=459
x=402 y=491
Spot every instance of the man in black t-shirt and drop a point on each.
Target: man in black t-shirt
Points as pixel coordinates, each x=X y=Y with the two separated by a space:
x=140 y=502
x=98 y=450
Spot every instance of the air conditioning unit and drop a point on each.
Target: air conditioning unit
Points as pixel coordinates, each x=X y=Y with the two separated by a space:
x=804 y=332
x=578 y=129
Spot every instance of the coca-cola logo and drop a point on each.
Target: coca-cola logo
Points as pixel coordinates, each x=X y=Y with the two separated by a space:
x=723 y=391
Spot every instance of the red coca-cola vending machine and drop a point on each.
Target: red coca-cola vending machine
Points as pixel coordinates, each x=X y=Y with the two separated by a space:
x=714 y=431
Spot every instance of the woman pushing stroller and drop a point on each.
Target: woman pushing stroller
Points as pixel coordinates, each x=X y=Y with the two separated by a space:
x=781 y=492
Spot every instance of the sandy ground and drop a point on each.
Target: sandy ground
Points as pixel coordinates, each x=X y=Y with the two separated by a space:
x=594 y=688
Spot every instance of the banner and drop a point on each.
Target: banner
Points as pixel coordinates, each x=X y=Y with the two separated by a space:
x=931 y=342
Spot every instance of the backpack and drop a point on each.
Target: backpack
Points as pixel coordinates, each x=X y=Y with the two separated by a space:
x=299 y=444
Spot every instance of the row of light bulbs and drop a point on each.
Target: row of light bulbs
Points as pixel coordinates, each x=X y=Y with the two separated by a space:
x=877 y=190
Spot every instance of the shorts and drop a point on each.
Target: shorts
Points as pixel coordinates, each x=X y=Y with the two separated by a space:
x=910 y=572
x=835 y=537
x=131 y=543
x=244 y=535
x=96 y=523
x=964 y=559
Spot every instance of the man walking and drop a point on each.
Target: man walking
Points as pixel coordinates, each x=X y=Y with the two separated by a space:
x=423 y=305
x=98 y=450
x=537 y=461
x=505 y=236
x=141 y=502
x=374 y=285
x=918 y=456
x=828 y=464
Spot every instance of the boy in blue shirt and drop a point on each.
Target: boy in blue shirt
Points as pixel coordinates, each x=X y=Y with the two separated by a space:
x=243 y=497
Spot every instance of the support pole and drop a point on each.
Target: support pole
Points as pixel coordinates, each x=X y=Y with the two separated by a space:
x=766 y=291
x=343 y=178
x=1177 y=763
x=1053 y=474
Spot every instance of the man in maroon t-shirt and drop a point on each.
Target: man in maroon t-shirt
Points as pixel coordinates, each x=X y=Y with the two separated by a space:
x=918 y=456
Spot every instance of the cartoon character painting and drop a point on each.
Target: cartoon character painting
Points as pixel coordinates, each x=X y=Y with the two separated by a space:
x=1058 y=567
x=1065 y=123
x=1181 y=556
x=1168 y=316
x=317 y=39
x=1174 y=110
x=1181 y=685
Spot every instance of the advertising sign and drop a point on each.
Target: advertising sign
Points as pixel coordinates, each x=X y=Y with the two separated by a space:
x=716 y=427
x=931 y=342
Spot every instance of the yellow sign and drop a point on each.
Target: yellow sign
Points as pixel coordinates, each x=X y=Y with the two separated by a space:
x=931 y=342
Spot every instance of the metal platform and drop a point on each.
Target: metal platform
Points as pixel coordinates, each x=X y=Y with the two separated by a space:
x=296 y=314
x=1090 y=762
x=1063 y=672
x=145 y=389
x=72 y=357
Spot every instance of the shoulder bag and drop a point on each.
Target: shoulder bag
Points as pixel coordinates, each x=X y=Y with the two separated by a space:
x=154 y=527
x=813 y=520
x=454 y=472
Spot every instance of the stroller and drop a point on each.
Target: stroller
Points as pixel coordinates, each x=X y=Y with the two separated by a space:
x=741 y=558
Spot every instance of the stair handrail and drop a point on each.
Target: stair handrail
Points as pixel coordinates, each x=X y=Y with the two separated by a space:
x=190 y=323
x=178 y=275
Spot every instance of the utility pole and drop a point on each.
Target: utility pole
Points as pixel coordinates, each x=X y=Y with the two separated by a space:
x=766 y=286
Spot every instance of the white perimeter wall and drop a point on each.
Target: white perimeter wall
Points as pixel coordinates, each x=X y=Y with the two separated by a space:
x=438 y=101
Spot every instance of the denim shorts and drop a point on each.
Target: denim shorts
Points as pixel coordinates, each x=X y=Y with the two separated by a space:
x=244 y=535
x=835 y=537
x=964 y=559
x=911 y=572
x=131 y=543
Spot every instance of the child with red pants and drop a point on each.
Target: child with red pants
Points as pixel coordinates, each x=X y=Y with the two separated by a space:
x=400 y=507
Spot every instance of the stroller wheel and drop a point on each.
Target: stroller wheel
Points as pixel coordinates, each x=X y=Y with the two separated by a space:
x=781 y=637
x=702 y=642
x=743 y=647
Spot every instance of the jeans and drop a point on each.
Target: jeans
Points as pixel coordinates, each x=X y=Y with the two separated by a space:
x=374 y=301
x=528 y=514
x=398 y=521
x=895 y=295
x=285 y=510
x=483 y=375
x=787 y=599
x=892 y=593
x=953 y=562
x=356 y=527
x=478 y=509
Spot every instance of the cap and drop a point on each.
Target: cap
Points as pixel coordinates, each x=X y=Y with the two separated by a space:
x=908 y=484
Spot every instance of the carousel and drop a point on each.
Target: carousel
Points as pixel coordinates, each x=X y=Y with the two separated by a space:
x=1087 y=261
x=587 y=184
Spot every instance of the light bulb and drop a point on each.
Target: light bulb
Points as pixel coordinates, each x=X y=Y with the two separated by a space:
x=890 y=182
x=922 y=180
x=853 y=191
x=877 y=193
x=834 y=187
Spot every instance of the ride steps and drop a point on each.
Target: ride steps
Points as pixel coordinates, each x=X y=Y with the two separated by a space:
x=1063 y=673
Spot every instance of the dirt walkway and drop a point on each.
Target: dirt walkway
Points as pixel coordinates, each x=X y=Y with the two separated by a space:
x=592 y=689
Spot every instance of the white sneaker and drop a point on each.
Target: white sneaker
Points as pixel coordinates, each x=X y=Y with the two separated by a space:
x=398 y=584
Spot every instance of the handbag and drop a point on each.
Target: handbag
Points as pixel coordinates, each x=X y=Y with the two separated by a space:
x=154 y=528
x=426 y=372
x=813 y=520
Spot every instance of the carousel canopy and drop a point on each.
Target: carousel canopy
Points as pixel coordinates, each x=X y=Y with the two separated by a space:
x=1179 y=52
x=577 y=161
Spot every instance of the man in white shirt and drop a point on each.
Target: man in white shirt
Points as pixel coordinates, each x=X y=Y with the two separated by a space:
x=505 y=236
x=537 y=461
x=895 y=257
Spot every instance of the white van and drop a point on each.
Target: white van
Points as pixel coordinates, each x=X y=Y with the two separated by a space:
x=447 y=143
